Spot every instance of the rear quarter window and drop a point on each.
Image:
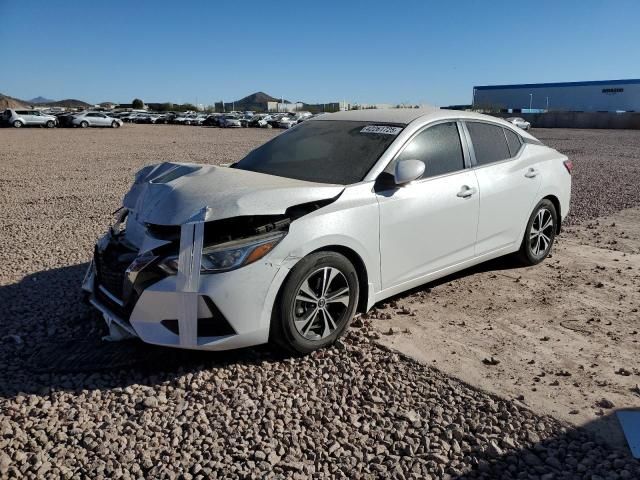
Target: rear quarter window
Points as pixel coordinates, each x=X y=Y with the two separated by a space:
x=514 y=142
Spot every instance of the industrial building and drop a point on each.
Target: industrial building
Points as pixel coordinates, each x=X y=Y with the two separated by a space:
x=591 y=96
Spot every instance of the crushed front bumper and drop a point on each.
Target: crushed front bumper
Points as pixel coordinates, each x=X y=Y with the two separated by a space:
x=221 y=311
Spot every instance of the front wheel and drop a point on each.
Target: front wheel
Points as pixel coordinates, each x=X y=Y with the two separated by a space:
x=539 y=234
x=316 y=303
x=115 y=125
x=51 y=124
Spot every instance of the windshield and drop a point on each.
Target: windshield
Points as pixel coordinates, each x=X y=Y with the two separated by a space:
x=325 y=151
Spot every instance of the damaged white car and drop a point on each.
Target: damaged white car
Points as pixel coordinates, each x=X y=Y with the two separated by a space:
x=319 y=223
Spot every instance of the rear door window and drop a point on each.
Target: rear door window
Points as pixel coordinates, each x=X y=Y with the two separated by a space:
x=489 y=142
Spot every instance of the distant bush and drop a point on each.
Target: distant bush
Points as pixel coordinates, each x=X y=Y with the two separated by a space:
x=137 y=103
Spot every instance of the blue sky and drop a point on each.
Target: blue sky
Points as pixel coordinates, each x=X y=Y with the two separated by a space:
x=390 y=51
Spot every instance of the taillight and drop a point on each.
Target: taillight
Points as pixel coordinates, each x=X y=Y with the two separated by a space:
x=568 y=164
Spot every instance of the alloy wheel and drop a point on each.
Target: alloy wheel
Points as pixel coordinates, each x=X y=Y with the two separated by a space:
x=321 y=303
x=541 y=233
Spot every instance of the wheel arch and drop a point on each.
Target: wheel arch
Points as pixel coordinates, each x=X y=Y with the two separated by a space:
x=556 y=203
x=361 y=270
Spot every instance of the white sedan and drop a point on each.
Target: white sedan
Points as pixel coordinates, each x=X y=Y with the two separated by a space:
x=321 y=222
x=520 y=122
x=95 y=119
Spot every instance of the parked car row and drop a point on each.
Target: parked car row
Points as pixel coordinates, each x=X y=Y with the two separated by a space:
x=27 y=118
x=21 y=118
x=24 y=118
x=223 y=120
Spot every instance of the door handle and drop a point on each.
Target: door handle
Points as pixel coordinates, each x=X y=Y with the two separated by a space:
x=531 y=173
x=466 y=191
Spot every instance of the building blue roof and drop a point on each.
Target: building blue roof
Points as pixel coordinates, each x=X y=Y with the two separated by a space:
x=560 y=84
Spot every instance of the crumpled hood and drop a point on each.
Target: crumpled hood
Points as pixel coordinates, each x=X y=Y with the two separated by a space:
x=177 y=193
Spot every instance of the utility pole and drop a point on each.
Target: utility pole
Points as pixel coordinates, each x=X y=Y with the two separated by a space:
x=547 y=104
x=530 y=102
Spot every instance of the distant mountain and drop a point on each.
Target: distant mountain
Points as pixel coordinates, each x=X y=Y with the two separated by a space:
x=69 y=103
x=10 y=102
x=256 y=102
x=39 y=100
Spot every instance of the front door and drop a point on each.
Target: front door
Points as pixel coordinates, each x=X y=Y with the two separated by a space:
x=429 y=224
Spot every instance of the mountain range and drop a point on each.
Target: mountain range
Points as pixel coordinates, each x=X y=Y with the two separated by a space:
x=255 y=101
x=10 y=102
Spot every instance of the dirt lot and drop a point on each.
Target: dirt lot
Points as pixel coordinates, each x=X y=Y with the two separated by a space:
x=566 y=334
x=560 y=332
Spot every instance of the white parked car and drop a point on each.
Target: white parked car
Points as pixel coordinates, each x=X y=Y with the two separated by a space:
x=230 y=121
x=321 y=222
x=287 y=122
x=520 y=122
x=95 y=119
x=21 y=118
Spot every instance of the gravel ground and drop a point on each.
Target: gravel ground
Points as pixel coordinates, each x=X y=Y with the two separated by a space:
x=606 y=167
x=70 y=407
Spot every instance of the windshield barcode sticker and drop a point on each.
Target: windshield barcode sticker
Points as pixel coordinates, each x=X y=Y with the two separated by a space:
x=384 y=129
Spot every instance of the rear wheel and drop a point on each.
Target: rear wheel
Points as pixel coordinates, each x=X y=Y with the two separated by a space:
x=539 y=234
x=316 y=304
x=17 y=124
x=84 y=124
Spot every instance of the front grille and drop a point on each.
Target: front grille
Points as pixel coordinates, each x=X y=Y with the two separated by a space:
x=111 y=267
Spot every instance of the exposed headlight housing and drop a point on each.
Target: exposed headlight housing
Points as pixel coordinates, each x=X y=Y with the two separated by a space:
x=230 y=255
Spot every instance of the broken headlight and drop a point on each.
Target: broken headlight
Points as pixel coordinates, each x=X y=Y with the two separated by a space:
x=230 y=255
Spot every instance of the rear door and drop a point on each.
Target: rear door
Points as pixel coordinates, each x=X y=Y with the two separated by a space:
x=508 y=182
x=30 y=117
x=103 y=119
x=39 y=118
x=429 y=224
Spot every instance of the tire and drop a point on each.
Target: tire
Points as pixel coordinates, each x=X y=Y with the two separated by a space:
x=51 y=124
x=84 y=124
x=536 y=246
x=304 y=322
x=17 y=124
x=115 y=125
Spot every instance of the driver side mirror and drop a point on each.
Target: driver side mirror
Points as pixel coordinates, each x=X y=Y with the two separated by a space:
x=407 y=171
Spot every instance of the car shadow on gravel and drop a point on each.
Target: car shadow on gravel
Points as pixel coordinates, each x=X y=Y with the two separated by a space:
x=51 y=339
x=573 y=453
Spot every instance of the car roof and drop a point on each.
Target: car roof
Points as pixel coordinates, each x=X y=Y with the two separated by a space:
x=403 y=115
